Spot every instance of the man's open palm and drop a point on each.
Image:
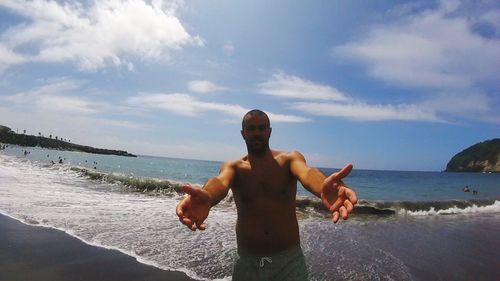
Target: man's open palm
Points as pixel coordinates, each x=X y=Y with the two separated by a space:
x=336 y=196
x=193 y=209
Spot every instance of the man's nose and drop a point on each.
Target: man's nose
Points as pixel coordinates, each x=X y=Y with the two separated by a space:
x=255 y=134
x=258 y=132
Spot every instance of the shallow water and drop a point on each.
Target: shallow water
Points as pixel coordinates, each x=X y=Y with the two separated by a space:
x=457 y=244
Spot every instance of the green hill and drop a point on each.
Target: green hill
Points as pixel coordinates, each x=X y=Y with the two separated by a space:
x=10 y=137
x=481 y=157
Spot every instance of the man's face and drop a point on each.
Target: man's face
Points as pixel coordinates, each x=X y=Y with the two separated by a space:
x=256 y=133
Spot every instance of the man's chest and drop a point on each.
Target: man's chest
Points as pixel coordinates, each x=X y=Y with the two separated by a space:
x=270 y=182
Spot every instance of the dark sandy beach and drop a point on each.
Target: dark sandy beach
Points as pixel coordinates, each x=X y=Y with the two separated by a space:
x=39 y=253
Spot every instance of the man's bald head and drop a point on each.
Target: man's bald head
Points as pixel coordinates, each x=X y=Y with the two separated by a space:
x=254 y=112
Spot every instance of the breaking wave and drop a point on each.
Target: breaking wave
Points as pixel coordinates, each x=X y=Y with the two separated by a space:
x=152 y=185
x=309 y=204
x=410 y=208
x=427 y=208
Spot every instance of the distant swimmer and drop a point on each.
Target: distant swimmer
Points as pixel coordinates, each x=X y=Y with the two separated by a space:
x=60 y=161
x=264 y=187
x=475 y=192
x=466 y=188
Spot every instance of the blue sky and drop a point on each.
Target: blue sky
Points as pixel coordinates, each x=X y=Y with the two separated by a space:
x=382 y=84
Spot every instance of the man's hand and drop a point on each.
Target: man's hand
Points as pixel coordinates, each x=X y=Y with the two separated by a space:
x=194 y=207
x=336 y=196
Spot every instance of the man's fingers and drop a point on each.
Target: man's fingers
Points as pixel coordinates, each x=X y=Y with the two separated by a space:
x=200 y=225
x=338 y=176
x=180 y=208
x=196 y=194
x=339 y=204
x=351 y=195
x=336 y=205
x=348 y=205
x=193 y=225
x=187 y=221
x=336 y=217
x=343 y=212
x=344 y=171
x=189 y=189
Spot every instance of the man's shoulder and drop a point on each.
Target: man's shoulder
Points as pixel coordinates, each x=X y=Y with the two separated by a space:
x=288 y=155
x=233 y=164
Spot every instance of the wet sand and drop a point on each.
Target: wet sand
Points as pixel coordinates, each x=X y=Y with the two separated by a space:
x=40 y=253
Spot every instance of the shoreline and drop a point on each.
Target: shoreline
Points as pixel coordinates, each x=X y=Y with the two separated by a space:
x=40 y=253
x=8 y=137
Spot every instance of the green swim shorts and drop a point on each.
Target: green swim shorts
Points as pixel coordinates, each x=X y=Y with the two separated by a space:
x=289 y=265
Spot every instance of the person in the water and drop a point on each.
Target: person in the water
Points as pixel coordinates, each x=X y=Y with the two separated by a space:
x=264 y=187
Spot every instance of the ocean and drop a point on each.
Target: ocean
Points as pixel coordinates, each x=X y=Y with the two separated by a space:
x=408 y=225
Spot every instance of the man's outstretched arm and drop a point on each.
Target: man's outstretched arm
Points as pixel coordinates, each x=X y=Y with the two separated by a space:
x=195 y=206
x=337 y=197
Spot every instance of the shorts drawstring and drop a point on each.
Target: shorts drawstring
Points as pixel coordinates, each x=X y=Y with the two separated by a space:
x=263 y=261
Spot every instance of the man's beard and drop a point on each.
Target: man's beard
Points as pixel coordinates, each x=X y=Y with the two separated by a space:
x=257 y=149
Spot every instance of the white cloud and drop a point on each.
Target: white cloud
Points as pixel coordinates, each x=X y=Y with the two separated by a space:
x=94 y=36
x=177 y=103
x=53 y=102
x=64 y=104
x=368 y=112
x=119 y=123
x=228 y=48
x=288 y=86
x=440 y=107
x=468 y=105
x=54 y=86
x=204 y=86
x=59 y=95
x=186 y=105
x=8 y=58
x=323 y=100
x=55 y=106
x=443 y=107
x=285 y=118
x=448 y=52
x=433 y=48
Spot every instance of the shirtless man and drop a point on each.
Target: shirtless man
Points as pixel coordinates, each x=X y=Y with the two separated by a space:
x=264 y=186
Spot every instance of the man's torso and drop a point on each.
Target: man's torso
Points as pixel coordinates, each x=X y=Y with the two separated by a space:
x=264 y=191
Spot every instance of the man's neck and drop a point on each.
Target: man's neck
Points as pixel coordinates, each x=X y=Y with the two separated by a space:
x=260 y=156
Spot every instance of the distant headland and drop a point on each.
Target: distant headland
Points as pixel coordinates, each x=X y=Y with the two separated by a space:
x=481 y=157
x=10 y=137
